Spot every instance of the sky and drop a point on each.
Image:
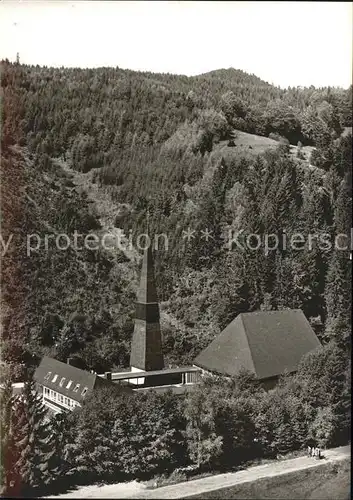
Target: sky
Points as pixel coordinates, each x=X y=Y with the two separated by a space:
x=284 y=43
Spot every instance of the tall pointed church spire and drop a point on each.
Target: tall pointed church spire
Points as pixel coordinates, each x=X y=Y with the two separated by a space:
x=146 y=346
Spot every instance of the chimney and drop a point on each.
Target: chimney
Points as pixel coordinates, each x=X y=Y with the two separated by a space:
x=108 y=375
x=77 y=363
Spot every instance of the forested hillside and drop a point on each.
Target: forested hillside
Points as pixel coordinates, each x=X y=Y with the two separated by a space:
x=79 y=142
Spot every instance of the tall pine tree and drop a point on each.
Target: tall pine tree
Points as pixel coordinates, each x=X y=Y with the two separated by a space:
x=33 y=441
x=6 y=404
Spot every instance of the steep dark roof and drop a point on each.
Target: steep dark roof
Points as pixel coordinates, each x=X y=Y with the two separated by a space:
x=267 y=343
x=50 y=367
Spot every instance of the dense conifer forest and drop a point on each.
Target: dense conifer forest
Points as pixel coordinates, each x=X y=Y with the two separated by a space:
x=94 y=150
x=151 y=143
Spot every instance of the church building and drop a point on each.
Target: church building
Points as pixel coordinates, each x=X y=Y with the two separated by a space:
x=146 y=346
x=265 y=343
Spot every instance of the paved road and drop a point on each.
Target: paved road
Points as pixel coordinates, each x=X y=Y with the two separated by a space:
x=212 y=483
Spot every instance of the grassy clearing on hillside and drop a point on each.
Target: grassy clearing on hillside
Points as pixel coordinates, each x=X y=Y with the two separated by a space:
x=346 y=131
x=326 y=482
x=252 y=144
x=246 y=143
